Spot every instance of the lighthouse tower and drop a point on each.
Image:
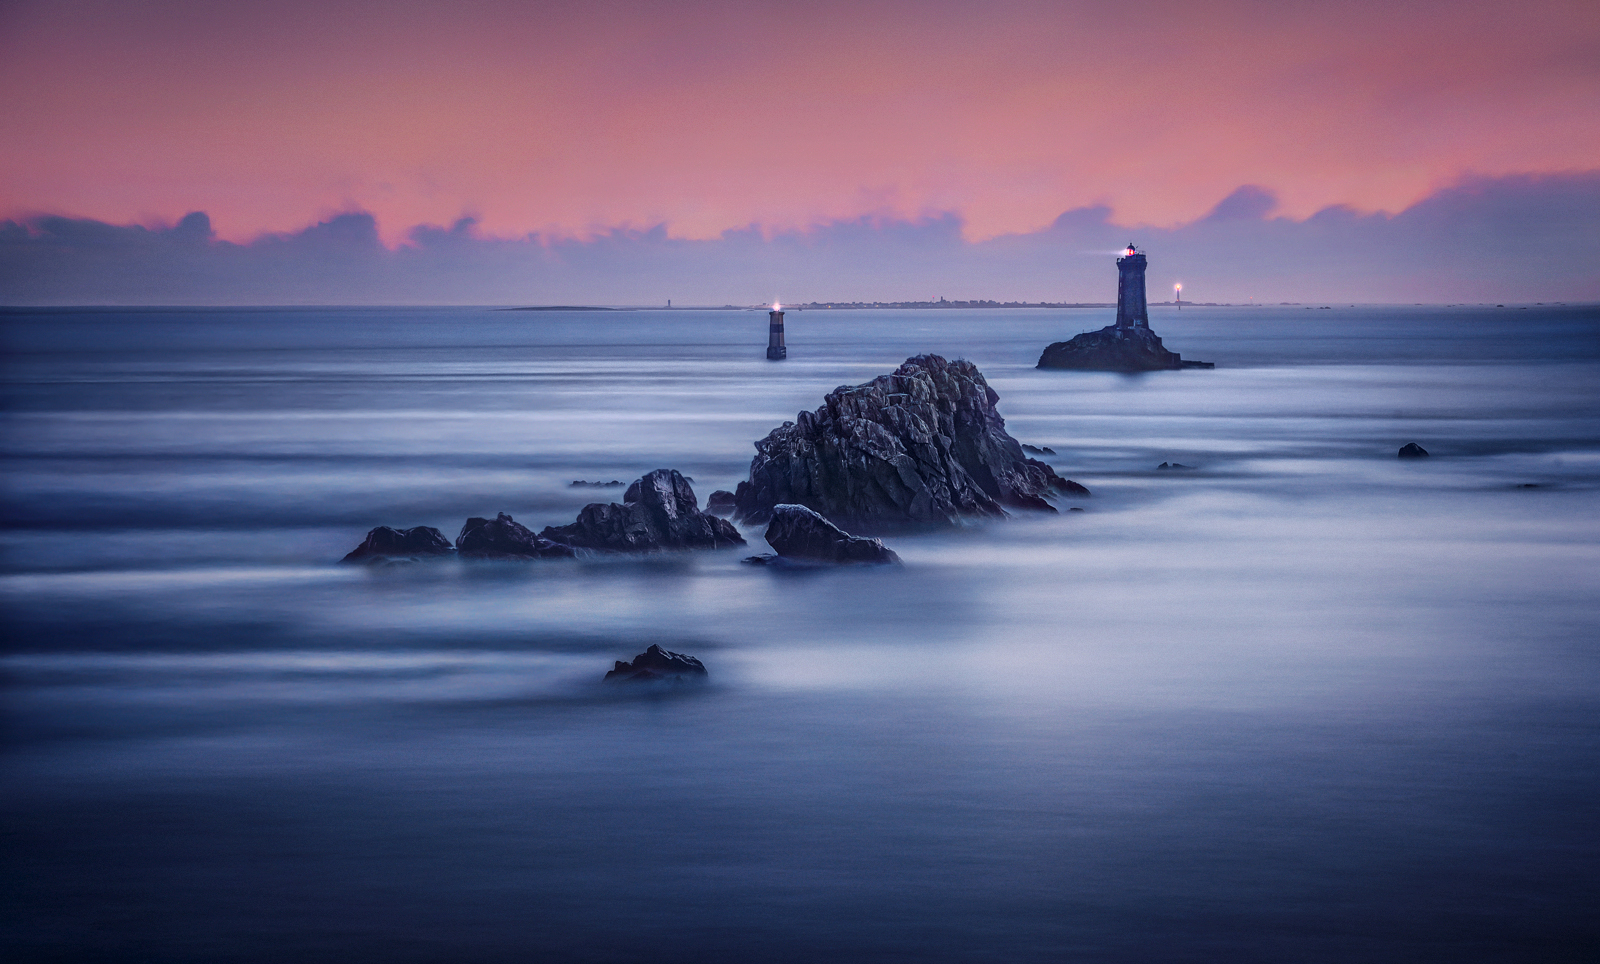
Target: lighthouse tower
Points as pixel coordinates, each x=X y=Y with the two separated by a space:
x=775 y=349
x=1131 y=310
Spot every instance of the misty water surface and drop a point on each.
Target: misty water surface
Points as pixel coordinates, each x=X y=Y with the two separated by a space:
x=1305 y=701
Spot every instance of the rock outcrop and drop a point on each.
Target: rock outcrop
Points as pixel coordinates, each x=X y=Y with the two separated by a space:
x=1412 y=450
x=923 y=445
x=505 y=538
x=384 y=543
x=799 y=533
x=720 y=502
x=658 y=512
x=656 y=663
x=1113 y=349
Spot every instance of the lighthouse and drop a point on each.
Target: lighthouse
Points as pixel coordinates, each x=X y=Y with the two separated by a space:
x=1131 y=310
x=775 y=349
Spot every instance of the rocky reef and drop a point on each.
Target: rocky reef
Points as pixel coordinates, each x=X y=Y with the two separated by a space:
x=1114 y=349
x=800 y=534
x=504 y=538
x=655 y=664
x=384 y=543
x=1412 y=450
x=658 y=512
x=923 y=445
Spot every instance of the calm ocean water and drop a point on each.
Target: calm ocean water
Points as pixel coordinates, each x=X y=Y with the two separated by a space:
x=1307 y=702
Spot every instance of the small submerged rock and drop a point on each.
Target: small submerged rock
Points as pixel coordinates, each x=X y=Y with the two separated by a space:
x=1412 y=450
x=801 y=534
x=384 y=545
x=504 y=538
x=581 y=484
x=1069 y=487
x=656 y=663
x=1174 y=465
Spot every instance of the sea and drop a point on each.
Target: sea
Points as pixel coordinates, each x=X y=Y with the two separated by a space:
x=1299 y=700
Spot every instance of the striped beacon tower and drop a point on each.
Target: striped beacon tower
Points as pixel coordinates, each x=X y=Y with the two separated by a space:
x=775 y=347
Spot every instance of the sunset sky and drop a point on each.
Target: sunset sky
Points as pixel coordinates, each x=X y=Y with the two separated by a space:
x=574 y=119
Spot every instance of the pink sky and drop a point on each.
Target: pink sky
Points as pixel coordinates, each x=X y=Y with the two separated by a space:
x=572 y=117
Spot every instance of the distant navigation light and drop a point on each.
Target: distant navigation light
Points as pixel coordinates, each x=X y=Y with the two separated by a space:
x=776 y=306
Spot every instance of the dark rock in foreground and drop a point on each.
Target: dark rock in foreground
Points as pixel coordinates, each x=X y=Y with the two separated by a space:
x=656 y=663
x=658 y=512
x=797 y=532
x=504 y=538
x=923 y=445
x=1114 y=349
x=384 y=543
x=720 y=502
x=1412 y=450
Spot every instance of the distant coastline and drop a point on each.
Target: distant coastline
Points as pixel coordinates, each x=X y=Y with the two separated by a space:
x=563 y=308
x=862 y=305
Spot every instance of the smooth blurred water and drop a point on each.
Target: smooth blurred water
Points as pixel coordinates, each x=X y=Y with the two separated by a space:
x=1306 y=702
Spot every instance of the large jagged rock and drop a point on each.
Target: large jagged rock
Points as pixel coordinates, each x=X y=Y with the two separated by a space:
x=656 y=663
x=923 y=445
x=505 y=538
x=1410 y=450
x=1113 y=349
x=385 y=543
x=658 y=512
x=797 y=532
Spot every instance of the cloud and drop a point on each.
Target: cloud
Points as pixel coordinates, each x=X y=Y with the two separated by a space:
x=1249 y=203
x=1522 y=237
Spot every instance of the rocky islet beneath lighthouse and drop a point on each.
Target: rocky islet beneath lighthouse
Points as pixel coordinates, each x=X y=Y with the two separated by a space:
x=1127 y=345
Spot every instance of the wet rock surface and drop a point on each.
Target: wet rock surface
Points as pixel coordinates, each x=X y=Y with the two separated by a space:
x=1412 y=450
x=1113 y=349
x=923 y=445
x=658 y=512
x=799 y=533
x=504 y=538
x=655 y=664
x=385 y=544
